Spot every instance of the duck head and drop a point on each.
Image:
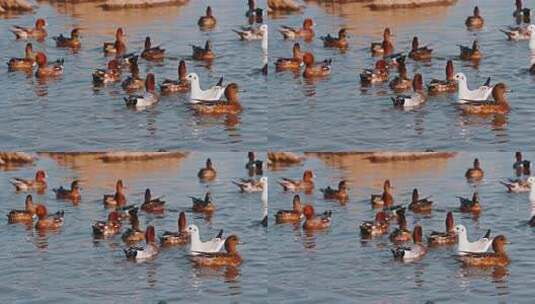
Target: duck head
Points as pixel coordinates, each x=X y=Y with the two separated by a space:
x=417 y=234
x=308 y=211
x=476 y=11
x=308 y=24
x=417 y=82
x=40 y=176
x=182 y=70
x=449 y=70
x=40 y=24
x=498 y=93
x=150 y=83
x=308 y=59
x=147 y=43
x=297 y=204
x=209 y=12
x=231 y=92
x=29 y=202
x=182 y=222
x=308 y=176
x=41 y=60
x=29 y=50
x=449 y=222
x=75 y=33
x=150 y=234
x=415 y=43
x=231 y=243
x=41 y=211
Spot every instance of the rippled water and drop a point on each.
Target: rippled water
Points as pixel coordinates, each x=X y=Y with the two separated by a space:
x=337 y=114
x=68 y=114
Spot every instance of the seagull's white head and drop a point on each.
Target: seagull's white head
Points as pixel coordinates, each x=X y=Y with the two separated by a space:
x=460 y=77
x=460 y=229
x=192 y=77
x=531 y=180
x=531 y=29
x=264 y=28
x=264 y=181
x=193 y=229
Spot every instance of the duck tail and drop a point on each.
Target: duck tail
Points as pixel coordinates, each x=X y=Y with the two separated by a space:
x=487 y=235
x=220 y=234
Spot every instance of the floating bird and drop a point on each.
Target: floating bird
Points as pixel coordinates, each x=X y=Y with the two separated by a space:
x=252 y=33
x=44 y=69
x=106 y=76
x=465 y=246
x=203 y=53
x=38 y=184
x=134 y=233
x=291 y=216
x=379 y=226
x=402 y=233
x=293 y=33
x=203 y=205
x=181 y=85
x=211 y=246
x=498 y=104
x=197 y=94
x=471 y=53
x=313 y=69
x=180 y=237
x=475 y=173
x=419 y=52
x=377 y=75
x=385 y=199
x=150 y=250
x=420 y=205
x=72 y=42
x=444 y=238
x=314 y=222
x=152 y=53
x=118 y=199
x=516 y=186
x=448 y=85
x=255 y=166
x=413 y=252
x=38 y=32
x=207 y=21
x=149 y=98
x=45 y=221
x=475 y=21
x=207 y=173
x=341 y=194
x=152 y=205
x=294 y=63
x=464 y=94
x=109 y=227
x=248 y=185
x=71 y=194
x=306 y=184
x=472 y=205
x=229 y=106
x=416 y=98
x=497 y=258
x=229 y=258
x=25 y=64
x=118 y=47
x=402 y=82
x=23 y=216
x=386 y=47
x=336 y=42
x=517 y=33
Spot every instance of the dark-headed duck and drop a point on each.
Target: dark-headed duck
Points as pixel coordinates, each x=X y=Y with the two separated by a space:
x=180 y=237
x=444 y=238
x=152 y=205
x=203 y=53
x=448 y=85
x=475 y=173
x=23 y=216
x=207 y=173
x=475 y=21
x=420 y=205
x=152 y=53
x=290 y=216
x=419 y=52
x=180 y=85
x=26 y=63
x=336 y=42
x=207 y=21
x=70 y=194
x=72 y=42
x=294 y=63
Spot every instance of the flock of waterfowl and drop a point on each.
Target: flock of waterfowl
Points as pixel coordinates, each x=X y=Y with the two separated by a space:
x=216 y=100
x=408 y=245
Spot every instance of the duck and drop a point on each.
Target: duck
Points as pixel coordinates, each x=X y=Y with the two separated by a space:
x=444 y=238
x=118 y=47
x=413 y=252
x=336 y=42
x=475 y=21
x=521 y=13
x=118 y=199
x=207 y=21
x=151 y=53
x=313 y=70
x=198 y=95
x=111 y=226
x=294 y=63
x=70 y=194
x=292 y=33
x=306 y=184
x=475 y=173
x=402 y=233
x=386 y=47
x=402 y=82
x=126 y=59
x=23 y=216
x=519 y=162
x=415 y=99
x=134 y=233
x=149 y=251
x=152 y=205
x=448 y=85
x=229 y=106
x=377 y=75
x=181 y=85
x=203 y=205
x=133 y=82
x=72 y=42
x=251 y=8
x=464 y=94
x=291 y=216
x=109 y=75
x=248 y=185
x=218 y=259
x=199 y=247
x=180 y=237
x=468 y=205
x=516 y=185
x=314 y=222
x=420 y=205
x=255 y=166
x=385 y=199
x=25 y=64
x=517 y=33
x=464 y=246
x=47 y=70
x=38 y=32
x=488 y=259
x=498 y=105
x=379 y=226
x=471 y=53
x=203 y=53
x=45 y=221
x=252 y=33
x=208 y=173
x=37 y=184
x=149 y=98
x=419 y=53
x=340 y=194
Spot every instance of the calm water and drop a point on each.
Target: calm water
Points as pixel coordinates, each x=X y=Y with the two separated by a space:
x=68 y=114
x=289 y=265
x=336 y=114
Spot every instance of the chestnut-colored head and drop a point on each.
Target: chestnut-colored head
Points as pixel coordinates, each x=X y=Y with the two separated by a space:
x=417 y=234
x=119 y=186
x=251 y=156
x=402 y=221
x=475 y=197
x=41 y=211
x=308 y=176
x=231 y=243
x=518 y=156
x=308 y=24
x=297 y=204
x=477 y=165
x=342 y=33
x=386 y=185
x=231 y=92
x=209 y=163
x=387 y=34
x=380 y=64
x=415 y=43
x=29 y=50
x=308 y=211
x=150 y=234
x=182 y=70
x=40 y=176
x=148 y=195
x=449 y=70
x=380 y=217
x=113 y=217
x=476 y=11
x=415 y=195
x=498 y=93
x=119 y=34
x=113 y=65
x=182 y=223
x=150 y=83
x=120 y=48
x=75 y=185
x=297 y=50
x=40 y=58
x=209 y=12
x=29 y=202
x=417 y=82
x=449 y=222
x=75 y=33
x=147 y=43
x=308 y=59
x=342 y=185
x=40 y=23
x=498 y=244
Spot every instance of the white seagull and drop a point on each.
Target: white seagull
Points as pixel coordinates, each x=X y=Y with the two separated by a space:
x=264 y=182
x=197 y=246
x=531 y=182
x=464 y=246
x=466 y=95
x=198 y=95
